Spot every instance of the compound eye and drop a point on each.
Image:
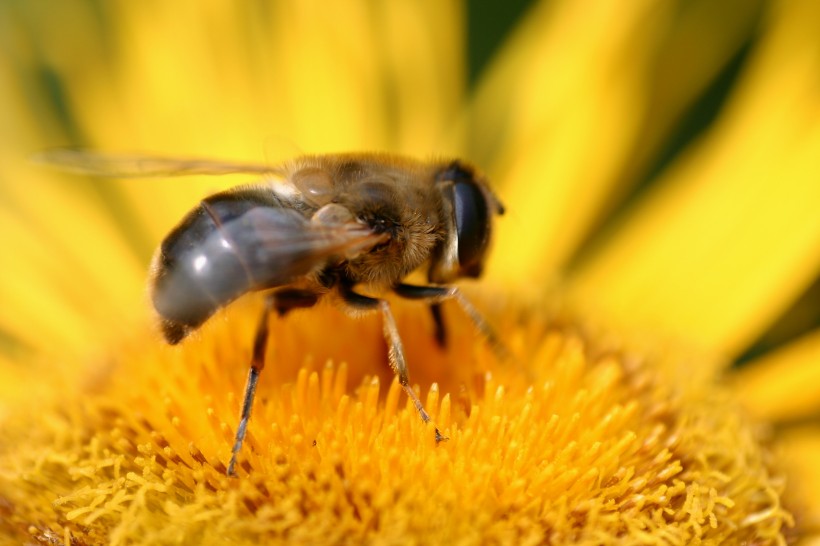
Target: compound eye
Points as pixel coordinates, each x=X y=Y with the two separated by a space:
x=472 y=226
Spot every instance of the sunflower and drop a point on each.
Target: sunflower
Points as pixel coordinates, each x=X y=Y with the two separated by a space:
x=654 y=281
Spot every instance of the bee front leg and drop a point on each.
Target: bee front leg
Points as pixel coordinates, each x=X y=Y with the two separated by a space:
x=395 y=347
x=282 y=302
x=435 y=295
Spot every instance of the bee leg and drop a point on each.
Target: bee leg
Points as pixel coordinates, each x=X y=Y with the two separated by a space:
x=260 y=343
x=395 y=347
x=435 y=295
x=438 y=321
x=282 y=301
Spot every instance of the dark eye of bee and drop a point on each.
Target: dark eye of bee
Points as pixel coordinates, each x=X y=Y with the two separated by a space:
x=472 y=225
x=472 y=219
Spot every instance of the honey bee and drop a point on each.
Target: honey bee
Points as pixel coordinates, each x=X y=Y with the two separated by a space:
x=314 y=227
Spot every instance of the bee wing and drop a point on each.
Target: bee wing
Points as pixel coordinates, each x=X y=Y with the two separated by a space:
x=142 y=166
x=274 y=252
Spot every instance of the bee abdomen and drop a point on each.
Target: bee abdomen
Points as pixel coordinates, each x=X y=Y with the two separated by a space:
x=213 y=257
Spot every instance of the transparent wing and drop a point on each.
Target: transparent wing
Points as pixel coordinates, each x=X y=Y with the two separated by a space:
x=142 y=166
x=274 y=251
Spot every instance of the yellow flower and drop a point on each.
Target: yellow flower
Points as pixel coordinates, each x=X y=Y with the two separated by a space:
x=623 y=282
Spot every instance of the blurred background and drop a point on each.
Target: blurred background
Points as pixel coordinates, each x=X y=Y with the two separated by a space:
x=637 y=145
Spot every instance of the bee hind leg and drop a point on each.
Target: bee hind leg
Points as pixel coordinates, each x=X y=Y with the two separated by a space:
x=395 y=347
x=281 y=302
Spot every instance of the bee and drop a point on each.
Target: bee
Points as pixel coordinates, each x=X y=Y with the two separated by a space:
x=315 y=227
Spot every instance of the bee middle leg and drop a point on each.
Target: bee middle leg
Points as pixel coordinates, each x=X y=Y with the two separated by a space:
x=395 y=347
x=281 y=302
x=438 y=320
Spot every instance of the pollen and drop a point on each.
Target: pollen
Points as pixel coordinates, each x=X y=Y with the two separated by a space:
x=563 y=442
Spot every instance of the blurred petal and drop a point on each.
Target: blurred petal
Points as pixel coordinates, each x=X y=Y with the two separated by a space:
x=800 y=450
x=66 y=277
x=577 y=104
x=553 y=129
x=424 y=63
x=785 y=385
x=731 y=238
x=701 y=38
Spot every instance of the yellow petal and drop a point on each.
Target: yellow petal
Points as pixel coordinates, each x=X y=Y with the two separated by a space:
x=553 y=131
x=577 y=105
x=731 y=236
x=67 y=275
x=694 y=44
x=306 y=72
x=799 y=450
x=784 y=385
